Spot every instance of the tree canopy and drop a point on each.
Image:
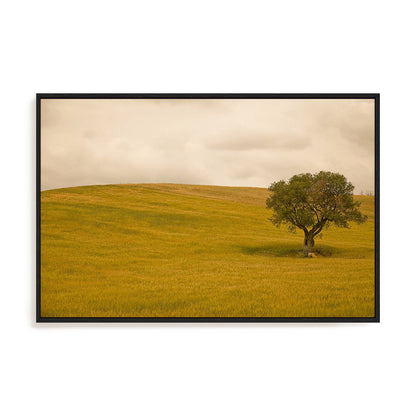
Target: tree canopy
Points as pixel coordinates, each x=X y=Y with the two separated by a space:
x=311 y=202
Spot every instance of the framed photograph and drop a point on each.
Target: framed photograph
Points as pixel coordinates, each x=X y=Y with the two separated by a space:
x=208 y=208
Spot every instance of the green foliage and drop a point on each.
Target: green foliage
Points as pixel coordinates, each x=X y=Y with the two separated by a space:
x=312 y=202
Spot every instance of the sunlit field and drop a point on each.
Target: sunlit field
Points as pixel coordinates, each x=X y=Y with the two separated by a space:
x=162 y=250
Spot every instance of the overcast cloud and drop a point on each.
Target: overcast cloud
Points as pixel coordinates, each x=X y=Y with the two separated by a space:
x=217 y=142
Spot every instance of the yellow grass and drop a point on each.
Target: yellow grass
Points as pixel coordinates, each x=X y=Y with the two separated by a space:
x=163 y=250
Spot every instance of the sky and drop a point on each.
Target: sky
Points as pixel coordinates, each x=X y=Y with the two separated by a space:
x=230 y=142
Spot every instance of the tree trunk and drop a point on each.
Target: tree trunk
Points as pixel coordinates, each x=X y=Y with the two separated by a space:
x=308 y=243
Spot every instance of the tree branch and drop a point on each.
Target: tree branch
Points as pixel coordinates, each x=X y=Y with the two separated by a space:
x=319 y=229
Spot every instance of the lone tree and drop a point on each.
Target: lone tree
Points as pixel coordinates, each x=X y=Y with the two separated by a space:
x=312 y=202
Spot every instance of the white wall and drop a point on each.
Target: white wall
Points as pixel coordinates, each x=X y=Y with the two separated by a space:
x=216 y=46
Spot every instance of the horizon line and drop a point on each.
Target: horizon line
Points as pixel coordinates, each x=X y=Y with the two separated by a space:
x=361 y=193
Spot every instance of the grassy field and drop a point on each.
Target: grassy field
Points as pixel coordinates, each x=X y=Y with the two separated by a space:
x=163 y=250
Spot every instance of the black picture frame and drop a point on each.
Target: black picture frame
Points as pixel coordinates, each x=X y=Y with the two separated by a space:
x=374 y=96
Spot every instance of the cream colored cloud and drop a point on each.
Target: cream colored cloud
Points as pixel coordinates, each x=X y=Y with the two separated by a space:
x=205 y=141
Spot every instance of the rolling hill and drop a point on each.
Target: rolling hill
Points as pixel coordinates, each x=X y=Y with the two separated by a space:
x=165 y=250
